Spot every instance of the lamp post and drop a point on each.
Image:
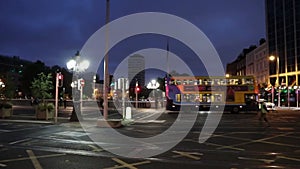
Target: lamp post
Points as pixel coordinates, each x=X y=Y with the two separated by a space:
x=105 y=67
x=272 y=58
x=77 y=66
x=153 y=84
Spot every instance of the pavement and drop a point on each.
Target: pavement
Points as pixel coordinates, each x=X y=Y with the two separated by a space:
x=64 y=115
x=26 y=114
x=288 y=108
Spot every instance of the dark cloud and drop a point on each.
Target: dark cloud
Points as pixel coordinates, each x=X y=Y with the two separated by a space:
x=52 y=31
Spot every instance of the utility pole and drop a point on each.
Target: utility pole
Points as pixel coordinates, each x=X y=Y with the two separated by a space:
x=106 y=73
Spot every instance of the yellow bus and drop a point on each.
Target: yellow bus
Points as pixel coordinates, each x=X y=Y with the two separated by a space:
x=237 y=92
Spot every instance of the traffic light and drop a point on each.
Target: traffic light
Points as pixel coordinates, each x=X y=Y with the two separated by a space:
x=60 y=78
x=137 y=89
x=80 y=84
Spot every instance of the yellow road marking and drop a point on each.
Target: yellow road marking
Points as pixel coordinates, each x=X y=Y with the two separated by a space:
x=127 y=165
x=27 y=158
x=280 y=144
x=257 y=159
x=95 y=149
x=34 y=160
x=288 y=158
x=255 y=141
x=222 y=146
x=286 y=128
x=191 y=155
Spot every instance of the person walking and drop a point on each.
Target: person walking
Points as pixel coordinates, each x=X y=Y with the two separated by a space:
x=263 y=113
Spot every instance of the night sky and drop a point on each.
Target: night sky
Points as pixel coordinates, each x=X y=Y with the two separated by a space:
x=52 y=31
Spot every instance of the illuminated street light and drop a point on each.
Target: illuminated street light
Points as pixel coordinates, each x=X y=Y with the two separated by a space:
x=71 y=64
x=153 y=84
x=2 y=85
x=272 y=58
x=77 y=66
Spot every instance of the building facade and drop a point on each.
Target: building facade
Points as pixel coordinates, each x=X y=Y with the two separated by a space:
x=283 y=37
x=257 y=64
x=136 y=70
x=239 y=66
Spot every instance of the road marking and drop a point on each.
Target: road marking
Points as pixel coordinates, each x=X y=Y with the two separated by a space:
x=288 y=158
x=286 y=128
x=222 y=146
x=225 y=136
x=149 y=121
x=2 y=130
x=2 y=165
x=148 y=116
x=27 y=158
x=72 y=133
x=257 y=159
x=95 y=149
x=280 y=144
x=126 y=165
x=192 y=155
x=19 y=141
x=255 y=141
x=34 y=160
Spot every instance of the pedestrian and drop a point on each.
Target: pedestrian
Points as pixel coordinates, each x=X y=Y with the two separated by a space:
x=263 y=113
x=65 y=102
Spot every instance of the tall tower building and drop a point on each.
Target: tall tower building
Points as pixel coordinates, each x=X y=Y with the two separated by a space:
x=136 y=70
x=283 y=37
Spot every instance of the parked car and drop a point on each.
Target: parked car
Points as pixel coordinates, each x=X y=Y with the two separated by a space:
x=270 y=106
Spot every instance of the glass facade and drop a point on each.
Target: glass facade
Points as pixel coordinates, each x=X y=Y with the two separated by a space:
x=283 y=36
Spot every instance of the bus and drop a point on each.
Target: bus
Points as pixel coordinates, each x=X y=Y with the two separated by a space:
x=235 y=93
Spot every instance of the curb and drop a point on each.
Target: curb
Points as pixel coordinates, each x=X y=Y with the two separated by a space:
x=27 y=121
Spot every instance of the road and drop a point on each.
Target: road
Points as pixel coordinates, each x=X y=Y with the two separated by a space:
x=240 y=141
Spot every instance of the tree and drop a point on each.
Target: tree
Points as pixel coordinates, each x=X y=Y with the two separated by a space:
x=30 y=72
x=41 y=86
x=10 y=88
x=161 y=82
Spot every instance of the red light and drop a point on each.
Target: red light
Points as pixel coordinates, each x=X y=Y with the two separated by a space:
x=60 y=76
x=137 y=89
x=82 y=82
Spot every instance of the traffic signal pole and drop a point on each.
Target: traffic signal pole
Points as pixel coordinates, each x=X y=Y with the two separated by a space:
x=136 y=94
x=56 y=97
x=58 y=83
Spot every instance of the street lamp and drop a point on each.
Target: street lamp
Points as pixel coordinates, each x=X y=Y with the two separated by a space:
x=77 y=66
x=272 y=58
x=105 y=64
x=2 y=85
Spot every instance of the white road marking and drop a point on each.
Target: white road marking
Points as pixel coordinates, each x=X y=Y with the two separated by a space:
x=2 y=165
x=19 y=141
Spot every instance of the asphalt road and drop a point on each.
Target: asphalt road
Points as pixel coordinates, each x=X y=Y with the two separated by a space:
x=240 y=141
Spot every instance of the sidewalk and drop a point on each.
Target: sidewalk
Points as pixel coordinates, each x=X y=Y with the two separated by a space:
x=26 y=114
x=288 y=108
x=64 y=116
